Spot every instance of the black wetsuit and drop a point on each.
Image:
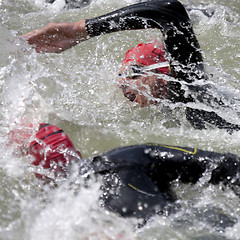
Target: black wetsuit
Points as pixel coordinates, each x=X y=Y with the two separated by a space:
x=182 y=46
x=136 y=180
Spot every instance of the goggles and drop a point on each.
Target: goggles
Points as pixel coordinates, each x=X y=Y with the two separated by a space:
x=135 y=71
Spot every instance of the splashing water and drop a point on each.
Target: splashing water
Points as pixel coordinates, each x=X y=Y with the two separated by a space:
x=77 y=90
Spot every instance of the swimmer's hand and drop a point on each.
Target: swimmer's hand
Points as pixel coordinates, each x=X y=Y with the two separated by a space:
x=57 y=37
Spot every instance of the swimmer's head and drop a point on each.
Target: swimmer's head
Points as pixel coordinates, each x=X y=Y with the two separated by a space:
x=147 y=55
x=52 y=151
x=142 y=74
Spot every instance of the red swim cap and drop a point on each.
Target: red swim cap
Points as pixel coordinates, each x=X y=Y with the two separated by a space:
x=147 y=54
x=53 y=150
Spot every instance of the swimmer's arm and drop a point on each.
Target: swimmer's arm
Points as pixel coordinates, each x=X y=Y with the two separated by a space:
x=57 y=37
x=168 y=15
x=223 y=168
x=228 y=172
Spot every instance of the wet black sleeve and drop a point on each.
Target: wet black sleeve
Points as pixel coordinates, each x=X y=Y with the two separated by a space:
x=171 y=18
x=189 y=164
x=166 y=163
x=136 y=179
x=200 y=118
x=163 y=163
x=228 y=172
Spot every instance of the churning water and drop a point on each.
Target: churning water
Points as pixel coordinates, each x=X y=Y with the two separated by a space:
x=77 y=91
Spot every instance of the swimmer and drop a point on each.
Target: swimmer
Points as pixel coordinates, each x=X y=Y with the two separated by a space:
x=135 y=180
x=151 y=73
